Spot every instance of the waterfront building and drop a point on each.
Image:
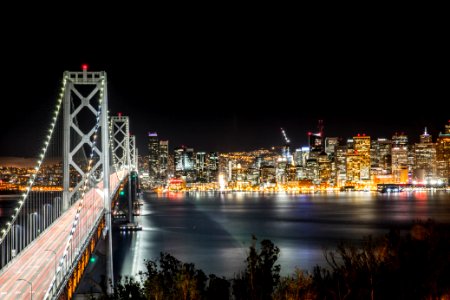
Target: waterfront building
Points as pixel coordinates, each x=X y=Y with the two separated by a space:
x=163 y=160
x=362 y=149
x=324 y=168
x=380 y=156
x=213 y=167
x=153 y=157
x=340 y=160
x=443 y=155
x=400 y=158
x=424 y=159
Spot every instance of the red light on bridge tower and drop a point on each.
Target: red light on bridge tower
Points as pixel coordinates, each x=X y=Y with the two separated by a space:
x=84 y=67
x=119 y=114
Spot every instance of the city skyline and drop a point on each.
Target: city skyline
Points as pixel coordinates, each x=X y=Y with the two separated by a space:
x=233 y=91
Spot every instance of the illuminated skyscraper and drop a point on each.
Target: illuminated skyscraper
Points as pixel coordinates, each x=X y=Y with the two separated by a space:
x=153 y=157
x=384 y=155
x=201 y=166
x=424 y=158
x=298 y=157
x=380 y=156
x=399 y=157
x=362 y=148
x=324 y=167
x=340 y=159
x=163 y=160
x=443 y=154
x=312 y=170
x=185 y=163
x=330 y=144
x=353 y=169
x=178 y=161
x=213 y=167
x=315 y=144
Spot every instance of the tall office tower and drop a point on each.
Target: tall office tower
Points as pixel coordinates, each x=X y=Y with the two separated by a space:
x=350 y=144
x=178 y=161
x=171 y=166
x=424 y=158
x=281 y=170
x=305 y=155
x=163 y=160
x=201 y=166
x=443 y=155
x=362 y=148
x=185 y=163
x=374 y=156
x=312 y=170
x=426 y=138
x=352 y=167
x=324 y=168
x=153 y=157
x=298 y=157
x=315 y=144
x=213 y=167
x=189 y=160
x=399 y=154
x=384 y=155
x=330 y=144
x=340 y=160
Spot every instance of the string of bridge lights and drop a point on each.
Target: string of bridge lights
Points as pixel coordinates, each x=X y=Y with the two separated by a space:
x=33 y=176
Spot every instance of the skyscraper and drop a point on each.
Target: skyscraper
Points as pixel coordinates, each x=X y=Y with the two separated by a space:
x=213 y=167
x=424 y=158
x=163 y=160
x=178 y=161
x=153 y=160
x=362 y=149
x=400 y=157
x=315 y=144
x=330 y=144
x=340 y=159
x=443 y=154
x=384 y=156
x=201 y=166
x=185 y=163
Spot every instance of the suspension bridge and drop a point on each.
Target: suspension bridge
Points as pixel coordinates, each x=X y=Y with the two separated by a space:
x=65 y=209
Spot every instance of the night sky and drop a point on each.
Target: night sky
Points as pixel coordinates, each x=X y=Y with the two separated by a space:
x=223 y=86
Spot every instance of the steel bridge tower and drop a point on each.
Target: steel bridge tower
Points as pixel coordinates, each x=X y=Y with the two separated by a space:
x=123 y=155
x=81 y=90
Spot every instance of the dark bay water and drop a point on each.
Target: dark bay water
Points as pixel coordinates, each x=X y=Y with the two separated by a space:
x=214 y=230
x=7 y=205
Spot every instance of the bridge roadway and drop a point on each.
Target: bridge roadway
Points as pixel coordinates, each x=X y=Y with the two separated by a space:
x=35 y=263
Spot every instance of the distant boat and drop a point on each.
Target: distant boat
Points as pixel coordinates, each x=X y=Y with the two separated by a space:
x=389 y=188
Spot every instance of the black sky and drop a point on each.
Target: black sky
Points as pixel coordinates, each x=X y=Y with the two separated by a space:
x=230 y=84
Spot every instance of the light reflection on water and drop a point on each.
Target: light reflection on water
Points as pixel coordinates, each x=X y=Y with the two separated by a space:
x=214 y=230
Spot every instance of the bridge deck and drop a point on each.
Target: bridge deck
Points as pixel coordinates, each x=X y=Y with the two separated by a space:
x=37 y=265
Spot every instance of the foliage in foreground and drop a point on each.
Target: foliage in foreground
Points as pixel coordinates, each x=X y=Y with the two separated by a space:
x=411 y=266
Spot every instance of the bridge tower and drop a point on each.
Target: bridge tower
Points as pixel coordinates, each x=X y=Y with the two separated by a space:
x=122 y=152
x=82 y=89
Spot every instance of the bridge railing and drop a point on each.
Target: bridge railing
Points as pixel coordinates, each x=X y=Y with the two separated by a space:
x=80 y=236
